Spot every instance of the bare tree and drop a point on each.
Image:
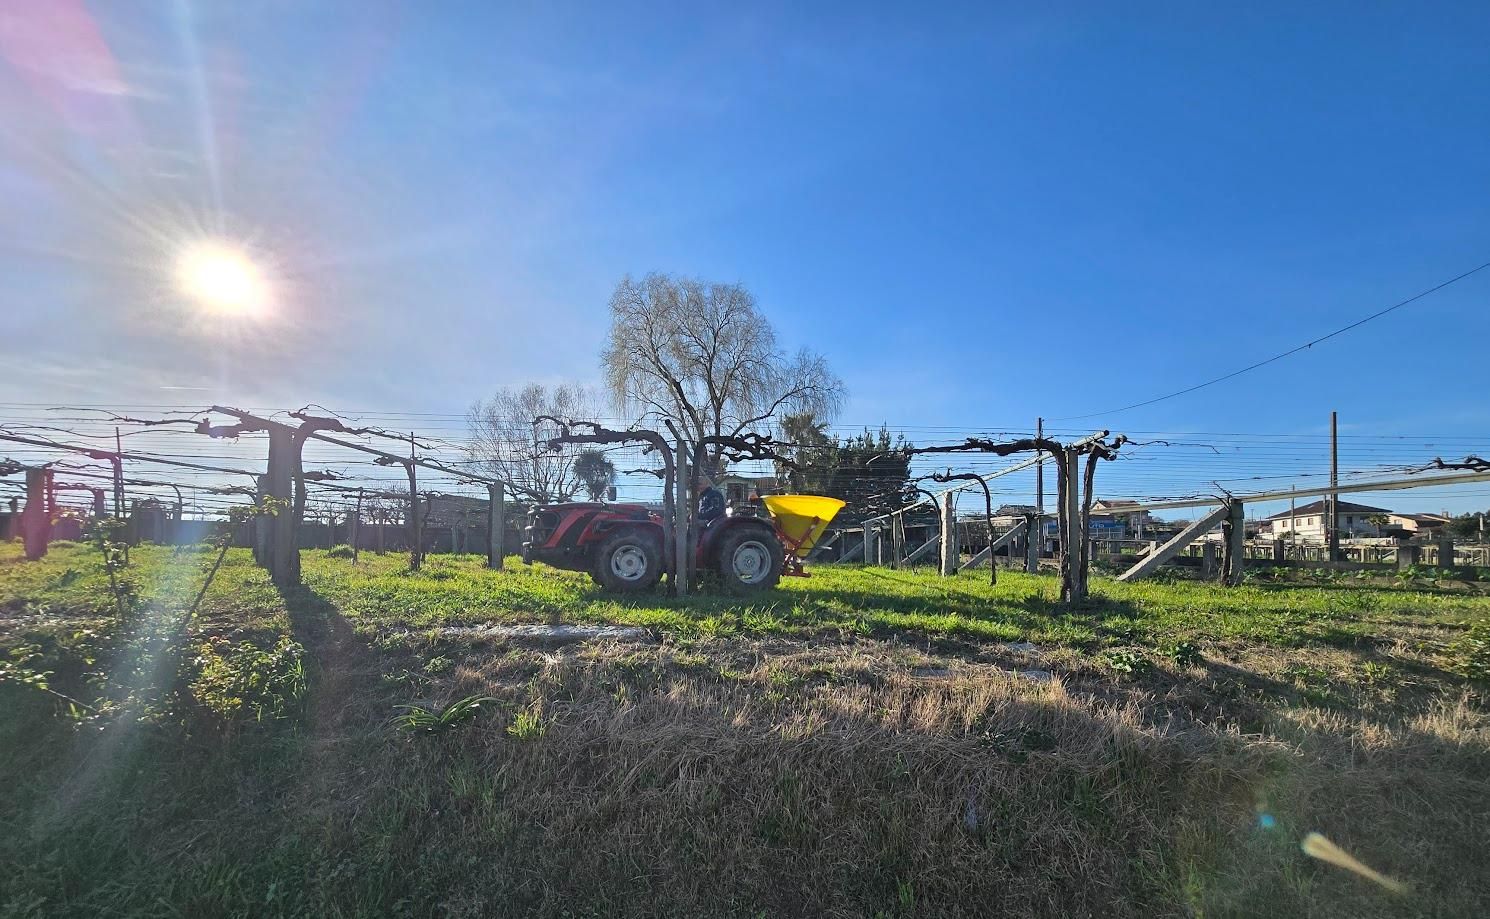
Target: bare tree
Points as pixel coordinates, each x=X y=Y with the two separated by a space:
x=702 y=356
x=505 y=443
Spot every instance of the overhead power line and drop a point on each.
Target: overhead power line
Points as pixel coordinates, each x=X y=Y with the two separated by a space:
x=1291 y=351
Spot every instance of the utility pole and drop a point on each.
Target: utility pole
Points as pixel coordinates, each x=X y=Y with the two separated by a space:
x=1036 y=533
x=1039 y=470
x=118 y=475
x=1333 y=501
x=1293 y=521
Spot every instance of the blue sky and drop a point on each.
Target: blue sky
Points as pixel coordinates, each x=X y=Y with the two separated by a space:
x=979 y=214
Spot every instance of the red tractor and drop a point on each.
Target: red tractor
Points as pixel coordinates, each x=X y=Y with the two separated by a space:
x=622 y=546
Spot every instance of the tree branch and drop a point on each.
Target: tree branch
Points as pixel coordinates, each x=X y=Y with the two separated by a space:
x=1470 y=463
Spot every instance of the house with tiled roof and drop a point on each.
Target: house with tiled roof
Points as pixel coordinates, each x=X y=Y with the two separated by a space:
x=1309 y=523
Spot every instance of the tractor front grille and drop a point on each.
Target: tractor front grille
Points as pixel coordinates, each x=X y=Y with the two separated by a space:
x=540 y=528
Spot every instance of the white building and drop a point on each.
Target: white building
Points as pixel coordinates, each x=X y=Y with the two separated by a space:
x=1308 y=522
x=1418 y=524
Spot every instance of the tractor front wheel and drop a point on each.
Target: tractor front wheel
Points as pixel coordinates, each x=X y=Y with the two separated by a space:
x=750 y=560
x=628 y=560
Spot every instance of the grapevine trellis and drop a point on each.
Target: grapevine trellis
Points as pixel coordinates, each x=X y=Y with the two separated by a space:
x=310 y=494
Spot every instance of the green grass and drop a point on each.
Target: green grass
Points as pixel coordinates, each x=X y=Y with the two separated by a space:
x=848 y=745
x=382 y=593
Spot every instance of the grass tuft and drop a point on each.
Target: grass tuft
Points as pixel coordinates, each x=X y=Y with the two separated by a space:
x=421 y=720
x=527 y=725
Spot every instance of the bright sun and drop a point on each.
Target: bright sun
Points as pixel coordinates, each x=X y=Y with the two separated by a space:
x=223 y=279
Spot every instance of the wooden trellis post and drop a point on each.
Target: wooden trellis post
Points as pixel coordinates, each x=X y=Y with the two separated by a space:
x=35 y=527
x=356 y=527
x=1235 y=533
x=496 y=524
x=281 y=553
x=950 y=543
x=261 y=524
x=1445 y=551
x=416 y=533
x=117 y=461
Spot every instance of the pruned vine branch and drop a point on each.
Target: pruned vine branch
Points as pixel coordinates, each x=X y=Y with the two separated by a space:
x=983 y=445
x=739 y=447
x=303 y=415
x=1470 y=463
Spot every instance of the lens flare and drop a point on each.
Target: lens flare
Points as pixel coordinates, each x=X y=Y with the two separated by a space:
x=1319 y=847
x=222 y=278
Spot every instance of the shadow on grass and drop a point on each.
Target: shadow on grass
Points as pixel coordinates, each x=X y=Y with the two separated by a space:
x=345 y=672
x=314 y=620
x=1468 y=591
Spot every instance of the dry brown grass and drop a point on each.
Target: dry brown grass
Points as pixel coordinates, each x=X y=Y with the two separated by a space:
x=781 y=769
x=741 y=778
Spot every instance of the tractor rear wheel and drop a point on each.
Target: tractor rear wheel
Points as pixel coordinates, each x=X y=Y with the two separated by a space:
x=628 y=560
x=750 y=559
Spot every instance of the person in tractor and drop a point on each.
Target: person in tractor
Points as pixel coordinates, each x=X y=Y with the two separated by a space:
x=710 y=500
